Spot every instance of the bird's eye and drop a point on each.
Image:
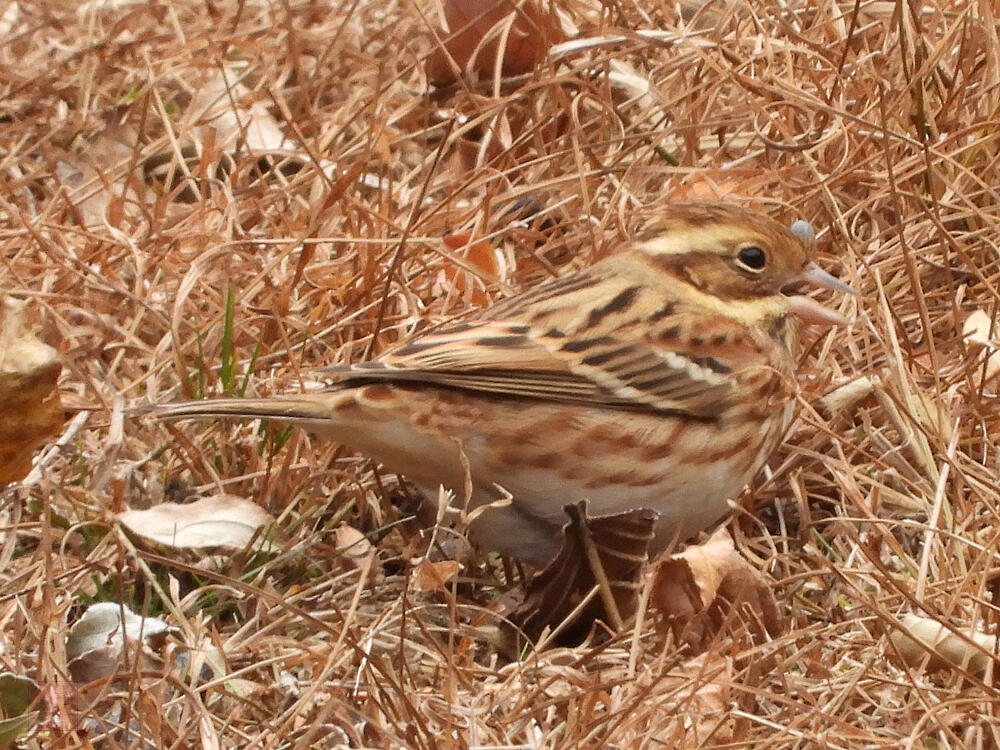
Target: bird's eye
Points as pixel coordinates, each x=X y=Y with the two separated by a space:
x=752 y=258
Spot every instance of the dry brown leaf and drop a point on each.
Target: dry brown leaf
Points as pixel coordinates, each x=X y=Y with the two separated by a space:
x=30 y=410
x=703 y=187
x=602 y=558
x=923 y=637
x=532 y=32
x=690 y=588
x=480 y=256
x=704 y=566
x=224 y=521
x=977 y=328
x=433 y=576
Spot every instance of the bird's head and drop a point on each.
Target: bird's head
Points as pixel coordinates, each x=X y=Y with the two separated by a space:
x=738 y=255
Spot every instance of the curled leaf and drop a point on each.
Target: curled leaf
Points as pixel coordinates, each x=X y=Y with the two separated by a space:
x=353 y=545
x=476 y=261
x=96 y=641
x=691 y=588
x=843 y=398
x=977 y=328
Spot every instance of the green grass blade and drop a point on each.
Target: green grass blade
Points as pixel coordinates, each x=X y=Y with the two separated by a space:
x=226 y=355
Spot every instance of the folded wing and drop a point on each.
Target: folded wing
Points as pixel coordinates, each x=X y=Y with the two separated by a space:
x=582 y=339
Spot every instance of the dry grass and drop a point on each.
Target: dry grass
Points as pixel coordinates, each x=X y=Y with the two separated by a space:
x=877 y=121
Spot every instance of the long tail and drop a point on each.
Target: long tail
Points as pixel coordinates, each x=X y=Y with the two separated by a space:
x=315 y=409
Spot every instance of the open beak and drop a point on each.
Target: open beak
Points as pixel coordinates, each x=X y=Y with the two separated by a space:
x=811 y=311
x=817 y=276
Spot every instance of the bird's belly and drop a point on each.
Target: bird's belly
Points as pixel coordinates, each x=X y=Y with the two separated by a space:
x=547 y=455
x=687 y=498
x=685 y=470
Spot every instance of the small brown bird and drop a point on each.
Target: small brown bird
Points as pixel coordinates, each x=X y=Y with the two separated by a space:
x=661 y=377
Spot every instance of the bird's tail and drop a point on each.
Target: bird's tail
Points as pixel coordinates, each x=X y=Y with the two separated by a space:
x=304 y=410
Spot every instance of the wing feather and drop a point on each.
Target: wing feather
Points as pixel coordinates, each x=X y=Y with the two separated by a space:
x=585 y=338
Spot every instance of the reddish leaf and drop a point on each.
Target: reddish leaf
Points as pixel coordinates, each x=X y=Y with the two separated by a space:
x=480 y=255
x=433 y=576
x=532 y=32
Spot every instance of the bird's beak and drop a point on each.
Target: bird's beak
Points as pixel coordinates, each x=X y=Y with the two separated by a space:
x=817 y=276
x=811 y=311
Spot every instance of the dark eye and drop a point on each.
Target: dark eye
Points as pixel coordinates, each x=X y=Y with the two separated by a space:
x=752 y=258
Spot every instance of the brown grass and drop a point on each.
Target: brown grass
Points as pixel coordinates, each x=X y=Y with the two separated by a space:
x=876 y=121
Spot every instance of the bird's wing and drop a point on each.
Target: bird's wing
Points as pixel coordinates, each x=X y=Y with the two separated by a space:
x=586 y=338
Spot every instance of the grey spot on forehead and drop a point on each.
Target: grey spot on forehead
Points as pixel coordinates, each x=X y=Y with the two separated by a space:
x=804 y=231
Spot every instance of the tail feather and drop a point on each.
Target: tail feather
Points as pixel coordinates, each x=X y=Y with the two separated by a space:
x=298 y=409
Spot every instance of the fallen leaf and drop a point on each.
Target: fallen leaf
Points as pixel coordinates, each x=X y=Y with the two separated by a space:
x=430 y=576
x=96 y=641
x=476 y=28
x=238 y=116
x=601 y=558
x=977 y=329
x=224 y=521
x=701 y=566
x=943 y=647
x=703 y=187
x=30 y=410
x=109 y=624
x=693 y=588
x=478 y=253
